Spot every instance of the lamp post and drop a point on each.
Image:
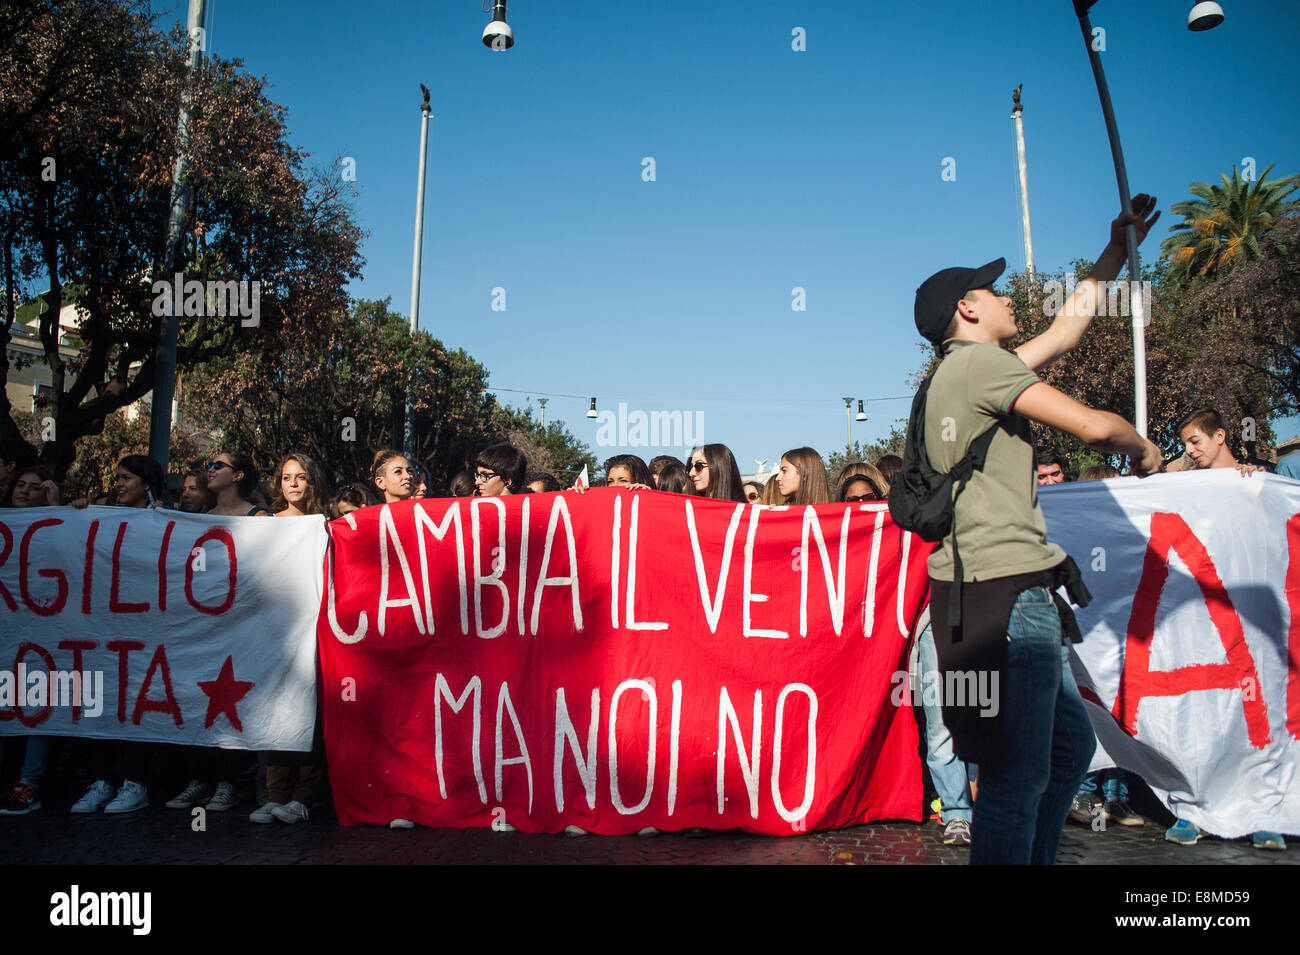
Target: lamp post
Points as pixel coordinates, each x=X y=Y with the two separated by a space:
x=848 y=427
x=164 y=382
x=408 y=442
x=1203 y=16
x=542 y=402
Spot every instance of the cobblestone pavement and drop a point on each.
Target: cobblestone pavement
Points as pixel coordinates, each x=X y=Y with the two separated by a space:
x=161 y=836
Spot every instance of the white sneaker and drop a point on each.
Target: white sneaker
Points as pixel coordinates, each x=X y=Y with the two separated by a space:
x=131 y=797
x=575 y=831
x=648 y=831
x=223 y=799
x=97 y=797
x=193 y=794
x=401 y=824
x=292 y=812
x=264 y=814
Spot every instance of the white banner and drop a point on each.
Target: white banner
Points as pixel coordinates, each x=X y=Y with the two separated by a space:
x=161 y=626
x=1192 y=641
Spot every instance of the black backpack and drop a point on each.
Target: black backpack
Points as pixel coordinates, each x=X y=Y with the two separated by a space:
x=922 y=500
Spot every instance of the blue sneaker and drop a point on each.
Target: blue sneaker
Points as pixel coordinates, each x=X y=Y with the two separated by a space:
x=1268 y=840
x=1184 y=833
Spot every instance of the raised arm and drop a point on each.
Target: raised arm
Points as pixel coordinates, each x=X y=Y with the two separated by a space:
x=1077 y=312
x=1098 y=429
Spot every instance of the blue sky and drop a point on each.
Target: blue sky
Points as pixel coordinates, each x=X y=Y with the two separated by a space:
x=774 y=169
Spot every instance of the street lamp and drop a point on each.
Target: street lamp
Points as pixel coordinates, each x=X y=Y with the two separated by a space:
x=591 y=412
x=862 y=412
x=426 y=111
x=848 y=427
x=1203 y=16
x=542 y=402
x=497 y=35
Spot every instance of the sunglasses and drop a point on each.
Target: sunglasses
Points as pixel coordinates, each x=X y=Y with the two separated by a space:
x=875 y=494
x=217 y=466
x=698 y=466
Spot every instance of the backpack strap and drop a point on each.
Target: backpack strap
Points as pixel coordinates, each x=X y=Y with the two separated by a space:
x=961 y=473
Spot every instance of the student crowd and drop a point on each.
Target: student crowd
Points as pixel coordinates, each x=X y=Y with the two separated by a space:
x=286 y=786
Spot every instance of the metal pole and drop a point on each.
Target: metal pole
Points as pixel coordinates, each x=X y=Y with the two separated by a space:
x=1016 y=114
x=408 y=444
x=542 y=402
x=848 y=428
x=164 y=380
x=1130 y=232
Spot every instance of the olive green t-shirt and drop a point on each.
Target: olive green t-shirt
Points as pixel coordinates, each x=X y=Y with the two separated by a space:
x=998 y=520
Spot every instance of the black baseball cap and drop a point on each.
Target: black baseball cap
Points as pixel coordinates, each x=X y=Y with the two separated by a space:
x=938 y=295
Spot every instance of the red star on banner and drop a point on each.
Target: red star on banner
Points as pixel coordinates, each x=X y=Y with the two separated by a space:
x=223 y=693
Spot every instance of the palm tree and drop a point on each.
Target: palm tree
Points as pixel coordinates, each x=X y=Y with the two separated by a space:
x=1223 y=226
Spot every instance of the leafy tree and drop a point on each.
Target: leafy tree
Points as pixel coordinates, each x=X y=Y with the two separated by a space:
x=1192 y=361
x=87 y=147
x=1225 y=224
x=91 y=475
x=870 y=453
x=339 y=397
x=1253 y=310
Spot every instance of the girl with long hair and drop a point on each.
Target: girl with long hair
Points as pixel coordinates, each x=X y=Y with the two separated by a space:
x=627 y=470
x=195 y=498
x=674 y=478
x=293 y=779
x=801 y=479
x=299 y=487
x=714 y=473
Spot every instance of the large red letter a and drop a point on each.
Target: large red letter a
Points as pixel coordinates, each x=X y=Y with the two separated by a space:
x=1137 y=681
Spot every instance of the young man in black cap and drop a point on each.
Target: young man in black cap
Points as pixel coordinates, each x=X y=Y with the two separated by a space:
x=1035 y=752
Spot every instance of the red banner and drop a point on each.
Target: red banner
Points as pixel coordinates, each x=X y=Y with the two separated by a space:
x=617 y=660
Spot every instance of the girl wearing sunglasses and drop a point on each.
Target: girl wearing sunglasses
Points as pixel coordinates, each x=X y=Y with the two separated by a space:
x=231 y=479
x=714 y=473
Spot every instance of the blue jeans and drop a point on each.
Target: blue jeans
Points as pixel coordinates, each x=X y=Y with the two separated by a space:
x=1113 y=787
x=1046 y=746
x=34 y=758
x=947 y=771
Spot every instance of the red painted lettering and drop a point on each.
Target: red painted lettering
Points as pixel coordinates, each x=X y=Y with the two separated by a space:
x=1293 y=634
x=115 y=605
x=77 y=646
x=7 y=536
x=1138 y=681
x=218 y=534
x=89 y=574
x=51 y=607
x=122 y=648
x=145 y=705
x=162 y=567
x=23 y=650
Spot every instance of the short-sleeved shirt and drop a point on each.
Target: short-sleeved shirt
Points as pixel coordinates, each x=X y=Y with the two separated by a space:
x=998 y=520
x=1289 y=465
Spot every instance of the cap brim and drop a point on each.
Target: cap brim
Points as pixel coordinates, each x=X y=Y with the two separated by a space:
x=986 y=275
